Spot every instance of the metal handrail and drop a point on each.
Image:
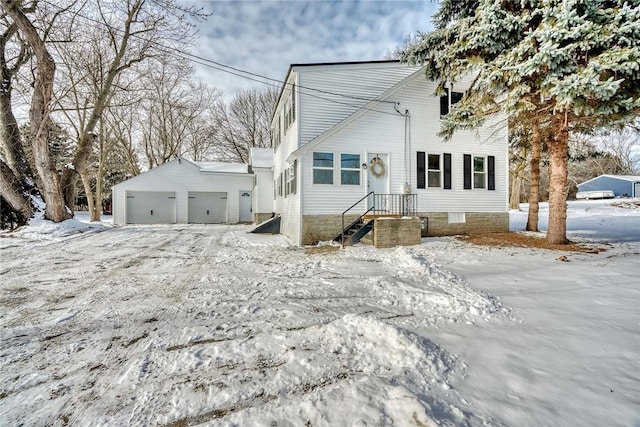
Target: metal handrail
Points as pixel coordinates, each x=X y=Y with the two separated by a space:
x=395 y=204
x=360 y=217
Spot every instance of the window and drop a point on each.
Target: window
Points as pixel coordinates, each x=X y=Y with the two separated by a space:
x=290 y=108
x=323 y=168
x=350 y=169
x=275 y=134
x=446 y=101
x=291 y=179
x=478 y=172
x=280 y=185
x=433 y=170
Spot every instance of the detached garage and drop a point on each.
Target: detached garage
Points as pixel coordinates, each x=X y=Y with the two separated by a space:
x=620 y=185
x=181 y=192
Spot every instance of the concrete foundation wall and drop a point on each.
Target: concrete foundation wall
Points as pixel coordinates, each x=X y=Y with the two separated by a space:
x=437 y=223
x=390 y=232
x=318 y=228
x=405 y=231
x=261 y=217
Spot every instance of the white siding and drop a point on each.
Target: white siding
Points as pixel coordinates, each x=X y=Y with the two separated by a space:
x=263 y=190
x=182 y=177
x=347 y=83
x=382 y=133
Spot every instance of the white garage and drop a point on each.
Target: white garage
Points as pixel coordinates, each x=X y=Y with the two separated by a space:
x=151 y=207
x=206 y=207
x=182 y=192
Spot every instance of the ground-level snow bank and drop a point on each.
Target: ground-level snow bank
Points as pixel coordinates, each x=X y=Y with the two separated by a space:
x=195 y=324
x=186 y=325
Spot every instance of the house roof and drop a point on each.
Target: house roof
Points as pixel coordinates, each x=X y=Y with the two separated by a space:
x=357 y=114
x=630 y=178
x=261 y=157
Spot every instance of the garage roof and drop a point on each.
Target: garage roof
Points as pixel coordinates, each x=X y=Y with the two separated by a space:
x=222 y=167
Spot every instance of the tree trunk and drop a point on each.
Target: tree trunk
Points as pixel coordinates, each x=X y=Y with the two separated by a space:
x=10 y=139
x=12 y=192
x=558 y=172
x=517 y=178
x=39 y=115
x=534 y=186
x=91 y=200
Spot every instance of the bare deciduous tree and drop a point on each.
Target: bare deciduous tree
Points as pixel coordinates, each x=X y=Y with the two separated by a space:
x=245 y=123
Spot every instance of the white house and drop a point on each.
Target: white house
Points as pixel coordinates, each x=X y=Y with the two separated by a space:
x=182 y=191
x=344 y=130
x=261 y=165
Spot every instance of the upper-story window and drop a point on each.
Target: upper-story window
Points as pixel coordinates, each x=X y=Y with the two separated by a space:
x=349 y=169
x=323 y=168
x=448 y=100
x=290 y=108
x=276 y=134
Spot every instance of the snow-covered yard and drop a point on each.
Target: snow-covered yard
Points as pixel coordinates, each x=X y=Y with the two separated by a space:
x=187 y=325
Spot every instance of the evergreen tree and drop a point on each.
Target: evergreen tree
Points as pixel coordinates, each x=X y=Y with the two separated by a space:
x=571 y=66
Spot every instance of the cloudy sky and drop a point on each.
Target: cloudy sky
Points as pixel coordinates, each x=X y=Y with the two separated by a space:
x=265 y=37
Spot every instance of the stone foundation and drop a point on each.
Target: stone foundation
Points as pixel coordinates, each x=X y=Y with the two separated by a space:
x=437 y=223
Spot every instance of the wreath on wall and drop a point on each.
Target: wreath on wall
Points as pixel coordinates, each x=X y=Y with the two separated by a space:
x=377 y=167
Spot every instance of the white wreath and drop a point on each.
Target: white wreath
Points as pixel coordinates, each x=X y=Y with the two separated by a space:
x=377 y=167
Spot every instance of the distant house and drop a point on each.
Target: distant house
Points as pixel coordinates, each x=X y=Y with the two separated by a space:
x=181 y=191
x=363 y=135
x=620 y=185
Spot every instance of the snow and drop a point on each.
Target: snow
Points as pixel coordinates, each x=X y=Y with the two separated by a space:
x=195 y=324
x=222 y=167
x=261 y=157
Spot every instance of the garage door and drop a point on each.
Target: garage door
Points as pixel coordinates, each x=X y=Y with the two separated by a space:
x=207 y=207
x=151 y=207
x=636 y=189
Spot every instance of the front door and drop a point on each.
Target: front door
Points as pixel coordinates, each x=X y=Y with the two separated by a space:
x=377 y=176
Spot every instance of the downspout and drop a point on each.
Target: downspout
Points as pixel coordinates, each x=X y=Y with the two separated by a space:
x=406 y=188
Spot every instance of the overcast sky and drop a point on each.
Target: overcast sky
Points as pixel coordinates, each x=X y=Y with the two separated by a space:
x=265 y=37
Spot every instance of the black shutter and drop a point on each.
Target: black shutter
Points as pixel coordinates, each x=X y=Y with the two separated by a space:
x=444 y=104
x=447 y=171
x=421 y=170
x=491 y=171
x=467 y=171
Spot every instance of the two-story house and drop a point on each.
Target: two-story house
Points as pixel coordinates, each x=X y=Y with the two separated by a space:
x=344 y=130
